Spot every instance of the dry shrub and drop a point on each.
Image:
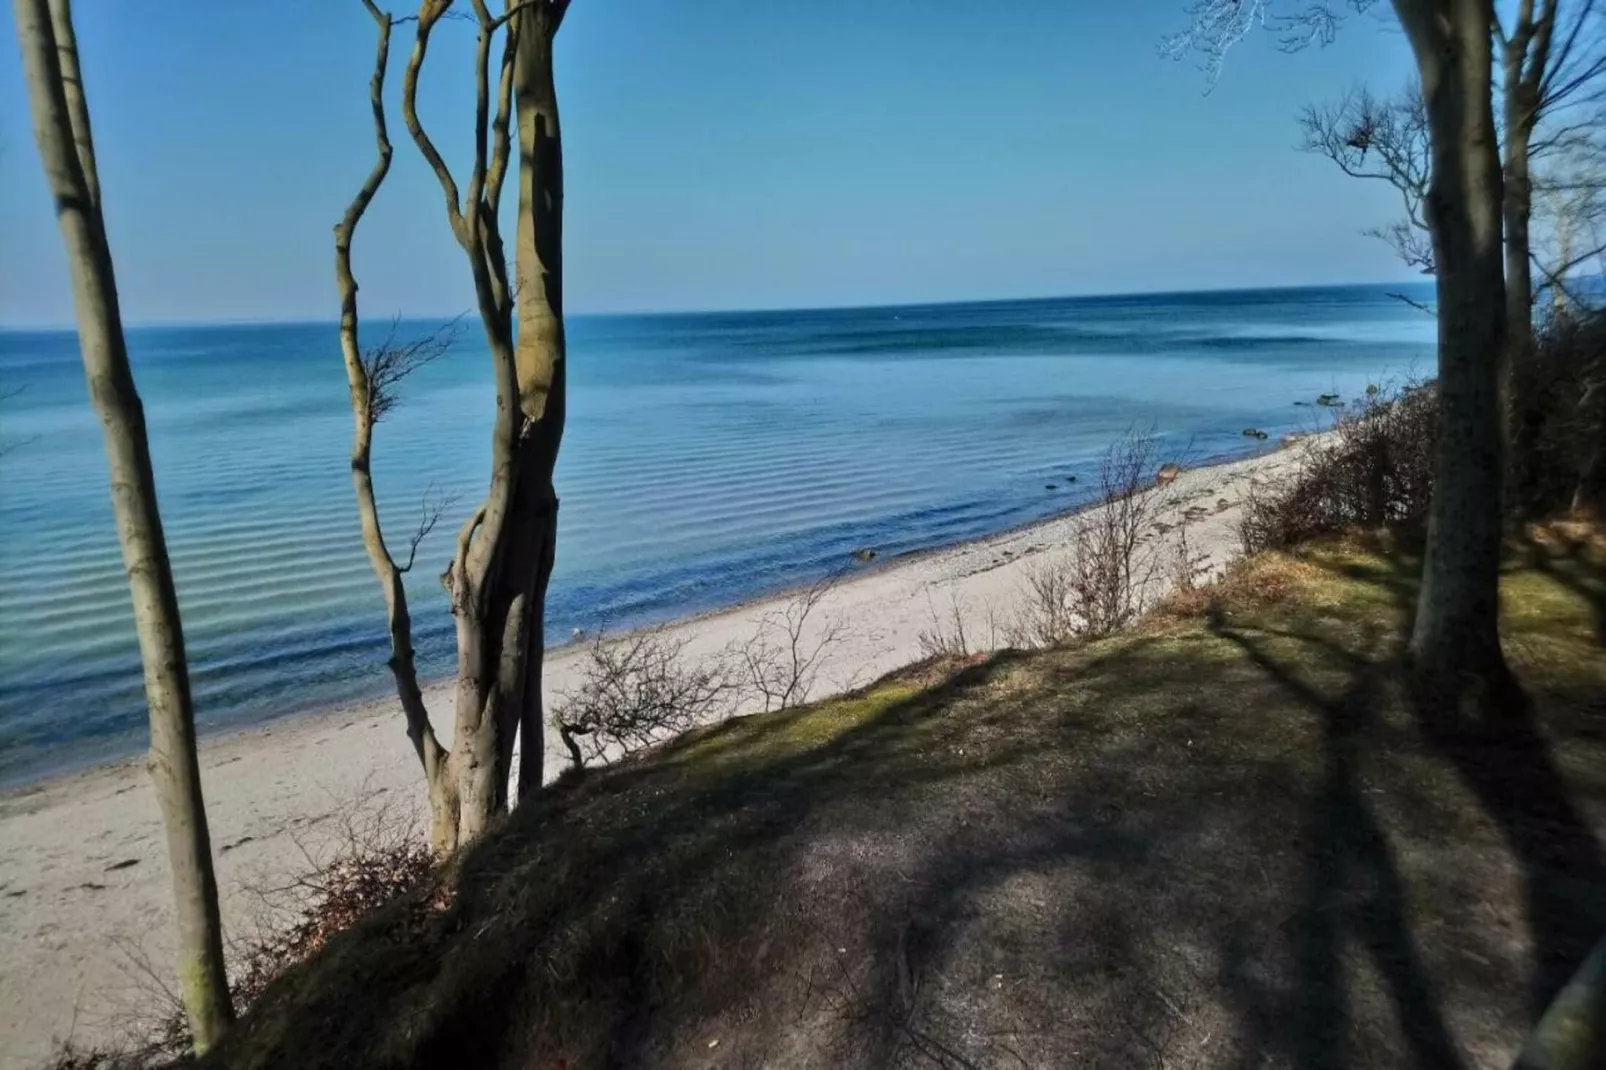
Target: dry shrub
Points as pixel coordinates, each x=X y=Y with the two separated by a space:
x=1250 y=582
x=374 y=857
x=634 y=692
x=1374 y=468
x=71 y=1056
x=950 y=635
x=360 y=878
x=1102 y=584
x=781 y=661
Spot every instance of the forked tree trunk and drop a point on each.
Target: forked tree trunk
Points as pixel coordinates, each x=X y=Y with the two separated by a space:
x=500 y=628
x=505 y=552
x=61 y=124
x=1457 y=614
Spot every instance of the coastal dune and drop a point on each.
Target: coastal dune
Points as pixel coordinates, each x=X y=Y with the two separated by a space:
x=84 y=888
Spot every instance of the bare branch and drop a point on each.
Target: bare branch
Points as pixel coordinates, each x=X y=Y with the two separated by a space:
x=388 y=363
x=634 y=692
x=431 y=507
x=783 y=657
x=429 y=13
x=1387 y=140
x=1409 y=242
x=1414 y=303
x=1217 y=26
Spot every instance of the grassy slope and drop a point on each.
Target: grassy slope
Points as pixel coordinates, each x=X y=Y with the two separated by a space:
x=1230 y=836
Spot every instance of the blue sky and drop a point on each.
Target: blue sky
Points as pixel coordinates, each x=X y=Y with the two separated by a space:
x=720 y=154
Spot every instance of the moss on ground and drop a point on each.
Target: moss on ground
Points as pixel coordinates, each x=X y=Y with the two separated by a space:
x=1237 y=834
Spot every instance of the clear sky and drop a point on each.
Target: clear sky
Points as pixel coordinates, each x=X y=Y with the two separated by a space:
x=720 y=154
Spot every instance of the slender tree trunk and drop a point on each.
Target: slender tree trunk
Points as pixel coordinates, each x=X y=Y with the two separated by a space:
x=60 y=117
x=1523 y=63
x=1457 y=615
x=365 y=397
x=542 y=349
x=1524 y=420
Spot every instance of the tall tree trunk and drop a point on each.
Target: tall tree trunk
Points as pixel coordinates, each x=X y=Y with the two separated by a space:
x=368 y=399
x=499 y=574
x=542 y=348
x=1524 y=62
x=60 y=118
x=1524 y=420
x=1457 y=614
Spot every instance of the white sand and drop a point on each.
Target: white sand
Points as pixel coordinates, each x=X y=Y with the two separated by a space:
x=84 y=876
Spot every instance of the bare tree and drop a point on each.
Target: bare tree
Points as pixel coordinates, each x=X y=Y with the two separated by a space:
x=66 y=146
x=1551 y=59
x=497 y=579
x=1455 y=629
x=636 y=691
x=781 y=661
x=1569 y=211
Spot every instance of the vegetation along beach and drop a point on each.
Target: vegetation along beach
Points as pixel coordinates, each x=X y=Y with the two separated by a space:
x=624 y=534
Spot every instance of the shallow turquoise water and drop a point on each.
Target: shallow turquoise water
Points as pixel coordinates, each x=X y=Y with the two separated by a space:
x=708 y=458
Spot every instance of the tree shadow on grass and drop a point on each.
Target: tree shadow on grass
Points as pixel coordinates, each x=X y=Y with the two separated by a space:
x=1494 y=739
x=1353 y=886
x=1161 y=849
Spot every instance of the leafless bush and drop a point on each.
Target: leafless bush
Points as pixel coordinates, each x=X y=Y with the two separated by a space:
x=1188 y=566
x=70 y=1056
x=376 y=855
x=782 y=659
x=369 y=855
x=1375 y=468
x=1103 y=583
x=634 y=692
x=949 y=635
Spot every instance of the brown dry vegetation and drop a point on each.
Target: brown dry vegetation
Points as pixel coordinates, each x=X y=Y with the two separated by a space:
x=1230 y=836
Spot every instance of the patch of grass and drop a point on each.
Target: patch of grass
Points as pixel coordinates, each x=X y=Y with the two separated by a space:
x=1234 y=834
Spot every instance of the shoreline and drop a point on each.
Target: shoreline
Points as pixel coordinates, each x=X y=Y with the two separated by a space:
x=112 y=755
x=86 y=875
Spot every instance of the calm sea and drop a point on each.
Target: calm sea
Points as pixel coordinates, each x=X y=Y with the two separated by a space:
x=708 y=458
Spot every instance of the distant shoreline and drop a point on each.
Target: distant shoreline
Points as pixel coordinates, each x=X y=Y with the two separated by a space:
x=127 y=750
x=86 y=872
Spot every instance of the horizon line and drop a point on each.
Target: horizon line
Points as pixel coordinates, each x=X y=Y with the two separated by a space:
x=57 y=328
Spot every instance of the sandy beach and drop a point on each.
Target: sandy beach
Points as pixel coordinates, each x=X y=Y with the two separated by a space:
x=84 y=880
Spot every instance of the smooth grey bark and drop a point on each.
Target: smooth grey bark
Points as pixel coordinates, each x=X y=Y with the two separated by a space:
x=60 y=120
x=542 y=345
x=1457 y=614
x=505 y=550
